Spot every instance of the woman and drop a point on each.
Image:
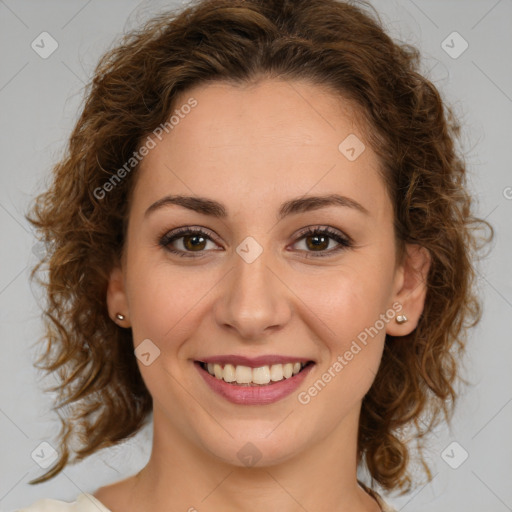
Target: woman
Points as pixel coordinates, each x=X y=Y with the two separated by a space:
x=260 y=238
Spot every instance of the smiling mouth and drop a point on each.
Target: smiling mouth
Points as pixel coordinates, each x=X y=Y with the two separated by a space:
x=240 y=375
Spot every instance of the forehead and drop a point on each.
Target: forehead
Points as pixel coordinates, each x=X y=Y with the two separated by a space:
x=229 y=117
x=256 y=141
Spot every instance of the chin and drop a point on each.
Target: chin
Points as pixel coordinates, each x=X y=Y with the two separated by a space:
x=255 y=449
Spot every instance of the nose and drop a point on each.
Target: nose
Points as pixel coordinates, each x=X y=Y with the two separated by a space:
x=253 y=300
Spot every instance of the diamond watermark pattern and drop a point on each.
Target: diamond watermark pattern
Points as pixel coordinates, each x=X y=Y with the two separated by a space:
x=146 y=352
x=454 y=45
x=39 y=250
x=454 y=455
x=44 y=45
x=249 y=454
x=249 y=249
x=351 y=147
x=44 y=455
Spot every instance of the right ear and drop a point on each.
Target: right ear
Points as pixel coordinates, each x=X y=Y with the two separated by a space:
x=116 y=298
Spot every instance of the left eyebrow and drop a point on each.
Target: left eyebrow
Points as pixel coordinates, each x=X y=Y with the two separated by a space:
x=308 y=203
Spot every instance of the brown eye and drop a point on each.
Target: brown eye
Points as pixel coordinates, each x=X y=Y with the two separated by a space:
x=320 y=242
x=193 y=242
x=186 y=242
x=317 y=240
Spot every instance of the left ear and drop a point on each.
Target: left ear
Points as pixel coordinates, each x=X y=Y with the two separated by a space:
x=410 y=289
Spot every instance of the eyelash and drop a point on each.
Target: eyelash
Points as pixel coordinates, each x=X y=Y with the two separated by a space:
x=344 y=242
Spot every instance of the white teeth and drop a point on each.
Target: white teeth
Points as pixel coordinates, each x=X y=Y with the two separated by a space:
x=243 y=375
x=217 y=371
x=247 y=375
x=288 y=370
x=228 y=373
x=261 y=375
x=276 y=372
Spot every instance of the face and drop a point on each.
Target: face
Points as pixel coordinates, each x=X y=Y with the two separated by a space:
x=198 y=286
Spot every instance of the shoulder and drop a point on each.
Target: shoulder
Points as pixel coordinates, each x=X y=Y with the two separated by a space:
x=84 y=503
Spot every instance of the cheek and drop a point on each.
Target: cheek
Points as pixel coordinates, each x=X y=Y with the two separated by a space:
x=165 y=300
x=350 y=319
x=347 y=302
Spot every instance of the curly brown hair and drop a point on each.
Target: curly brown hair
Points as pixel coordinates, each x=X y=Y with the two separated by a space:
x=340 y=46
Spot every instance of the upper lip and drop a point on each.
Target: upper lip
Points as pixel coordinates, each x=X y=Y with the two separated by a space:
x=253 y=362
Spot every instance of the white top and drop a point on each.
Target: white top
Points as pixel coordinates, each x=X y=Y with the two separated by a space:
x=84 y=503
x=88 y=503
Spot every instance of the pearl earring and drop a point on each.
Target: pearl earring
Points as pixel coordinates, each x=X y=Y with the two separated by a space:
x=119 y=316
x=401 y=319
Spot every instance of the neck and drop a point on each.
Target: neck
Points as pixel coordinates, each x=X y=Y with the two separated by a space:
x=181 y=475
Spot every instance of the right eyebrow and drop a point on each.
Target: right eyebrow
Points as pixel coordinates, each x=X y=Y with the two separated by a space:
x=196 y=204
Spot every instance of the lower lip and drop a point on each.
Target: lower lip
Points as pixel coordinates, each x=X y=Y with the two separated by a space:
x=254 y=395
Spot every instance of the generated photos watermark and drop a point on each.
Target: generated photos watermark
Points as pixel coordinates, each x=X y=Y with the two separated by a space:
x=305 y=397
x=150 y=143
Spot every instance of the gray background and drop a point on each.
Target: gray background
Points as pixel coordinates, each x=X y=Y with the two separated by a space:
x=39 y=102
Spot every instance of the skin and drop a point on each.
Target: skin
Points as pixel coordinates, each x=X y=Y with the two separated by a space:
x=252 y=147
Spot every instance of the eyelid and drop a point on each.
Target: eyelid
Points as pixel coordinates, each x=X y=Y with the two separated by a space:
x=343 y=240
x=315 y=228
x=185 y=230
